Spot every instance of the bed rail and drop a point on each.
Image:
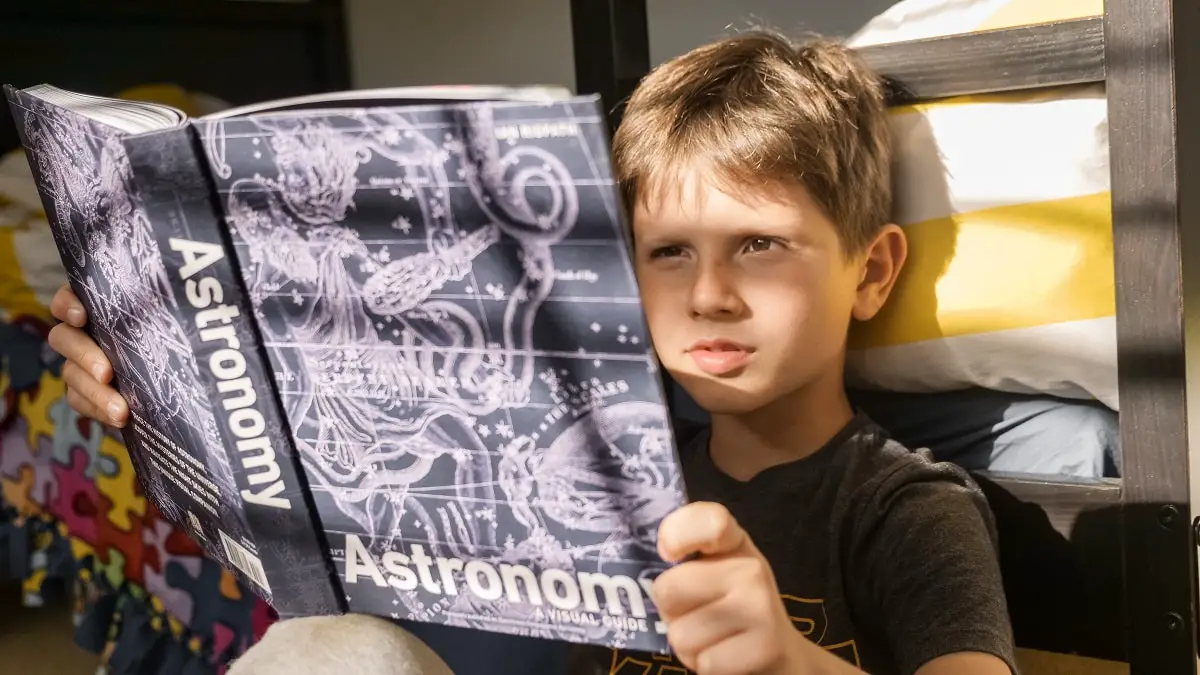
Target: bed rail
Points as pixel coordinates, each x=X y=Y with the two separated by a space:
x=1101 y=568
x=1007 y=59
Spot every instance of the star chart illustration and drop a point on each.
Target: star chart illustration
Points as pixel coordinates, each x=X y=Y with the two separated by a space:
x=110 y=254
x=450 y=311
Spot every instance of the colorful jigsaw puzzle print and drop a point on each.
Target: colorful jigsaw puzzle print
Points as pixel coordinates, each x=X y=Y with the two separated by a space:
x=74 y=512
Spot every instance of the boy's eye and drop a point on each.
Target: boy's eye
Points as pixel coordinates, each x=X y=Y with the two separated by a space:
x=759 y=244
x=666 y=252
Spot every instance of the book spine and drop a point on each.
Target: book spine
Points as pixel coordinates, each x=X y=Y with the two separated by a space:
x=288 y=559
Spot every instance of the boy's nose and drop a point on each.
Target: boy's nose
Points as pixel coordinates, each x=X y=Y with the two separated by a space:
x=714 y=294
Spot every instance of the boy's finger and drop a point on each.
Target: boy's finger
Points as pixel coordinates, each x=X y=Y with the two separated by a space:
x=748 y=651
x=78 y=347
x=687 y=587
x=85 y=407
x=691 y=633
x=107 y=404
x=65 y=306
x=706 y=528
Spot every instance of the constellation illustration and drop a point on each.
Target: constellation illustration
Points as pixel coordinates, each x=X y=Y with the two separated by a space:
x=446 y=300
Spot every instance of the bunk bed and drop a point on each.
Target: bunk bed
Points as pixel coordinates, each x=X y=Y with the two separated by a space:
x=1096 y=567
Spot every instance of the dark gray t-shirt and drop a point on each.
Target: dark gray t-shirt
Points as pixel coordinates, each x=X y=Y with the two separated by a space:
x=882 y=557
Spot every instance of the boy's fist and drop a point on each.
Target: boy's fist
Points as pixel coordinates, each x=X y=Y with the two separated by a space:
x=723 y=612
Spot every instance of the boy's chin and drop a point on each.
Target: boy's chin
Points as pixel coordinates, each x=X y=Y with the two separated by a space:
x=723 y=397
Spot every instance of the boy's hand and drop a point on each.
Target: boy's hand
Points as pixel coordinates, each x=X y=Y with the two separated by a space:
x=87 y=372
x=723 y=612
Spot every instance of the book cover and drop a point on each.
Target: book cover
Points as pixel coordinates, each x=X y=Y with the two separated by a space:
x=113 y=264
x=447 y=300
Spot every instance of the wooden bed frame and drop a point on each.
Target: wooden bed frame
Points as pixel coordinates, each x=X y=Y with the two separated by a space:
x=1097 y=568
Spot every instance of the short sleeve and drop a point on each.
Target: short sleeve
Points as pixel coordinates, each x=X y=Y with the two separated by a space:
x=926 y=568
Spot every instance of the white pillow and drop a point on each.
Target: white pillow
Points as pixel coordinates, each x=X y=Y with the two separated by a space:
x=1005 y=200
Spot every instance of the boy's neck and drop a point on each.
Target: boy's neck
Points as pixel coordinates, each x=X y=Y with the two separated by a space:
x=790 y=428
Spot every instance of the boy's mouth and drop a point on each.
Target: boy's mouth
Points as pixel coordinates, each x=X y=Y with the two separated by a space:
x=719 y=357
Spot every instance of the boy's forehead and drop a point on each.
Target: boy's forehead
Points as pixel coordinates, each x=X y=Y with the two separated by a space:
x=696 y=194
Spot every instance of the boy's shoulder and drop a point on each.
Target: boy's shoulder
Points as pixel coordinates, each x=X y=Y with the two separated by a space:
x=900 y=501
x=876 y=460
x=882 y=475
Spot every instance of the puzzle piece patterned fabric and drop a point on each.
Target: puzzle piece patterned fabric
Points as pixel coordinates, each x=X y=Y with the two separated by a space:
x=73 y=518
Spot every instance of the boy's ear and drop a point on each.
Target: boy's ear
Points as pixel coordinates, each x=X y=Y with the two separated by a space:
x=881 y=265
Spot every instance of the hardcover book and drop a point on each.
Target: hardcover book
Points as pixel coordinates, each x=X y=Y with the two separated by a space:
x=384 y=351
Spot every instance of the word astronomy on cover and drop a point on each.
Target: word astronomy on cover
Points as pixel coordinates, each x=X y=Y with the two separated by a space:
x=383 y=350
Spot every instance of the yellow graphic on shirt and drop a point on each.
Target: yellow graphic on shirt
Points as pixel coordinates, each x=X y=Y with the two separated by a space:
x=807 y=615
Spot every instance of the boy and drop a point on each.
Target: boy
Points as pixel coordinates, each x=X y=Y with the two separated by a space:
x=757 y=177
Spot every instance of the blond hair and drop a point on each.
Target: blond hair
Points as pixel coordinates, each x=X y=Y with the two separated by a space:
x=757 y=109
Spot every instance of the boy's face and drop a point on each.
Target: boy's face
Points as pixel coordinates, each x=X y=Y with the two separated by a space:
x=749 y=298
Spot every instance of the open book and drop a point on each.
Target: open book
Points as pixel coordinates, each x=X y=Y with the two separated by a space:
x=383 y=350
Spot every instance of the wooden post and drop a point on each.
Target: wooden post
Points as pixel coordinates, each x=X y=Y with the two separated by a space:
x=612 y=49
x=1153 y=81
